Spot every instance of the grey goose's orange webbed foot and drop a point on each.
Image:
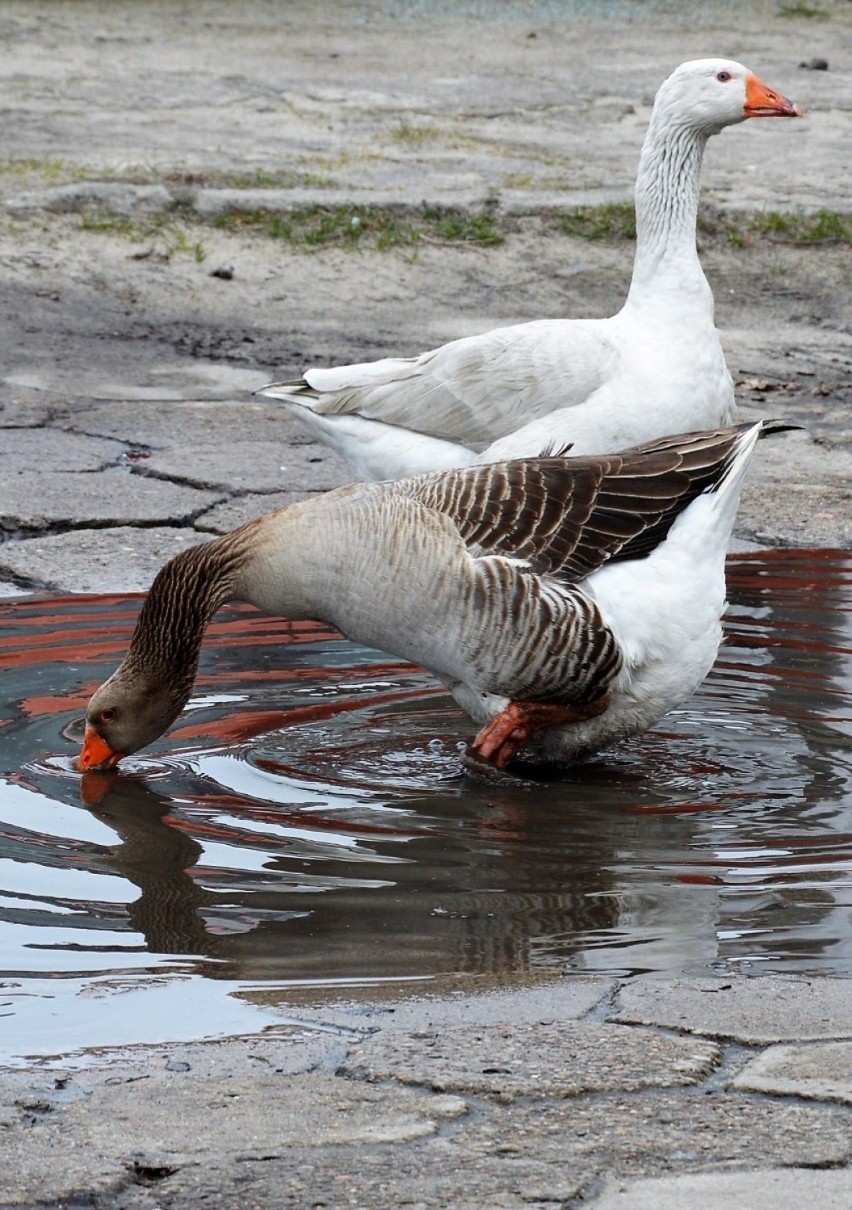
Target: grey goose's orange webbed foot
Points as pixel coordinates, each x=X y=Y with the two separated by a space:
x=506 y=733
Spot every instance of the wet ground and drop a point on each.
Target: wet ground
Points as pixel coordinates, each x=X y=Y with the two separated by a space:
x=136 y=316
x=308 y=822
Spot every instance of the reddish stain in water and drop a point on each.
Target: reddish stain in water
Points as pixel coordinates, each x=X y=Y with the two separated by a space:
x=249 y=724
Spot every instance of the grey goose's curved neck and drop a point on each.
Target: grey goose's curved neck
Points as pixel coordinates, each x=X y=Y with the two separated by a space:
x=185 y=594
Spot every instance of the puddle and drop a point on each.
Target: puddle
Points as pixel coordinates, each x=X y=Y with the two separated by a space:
x=307 y=822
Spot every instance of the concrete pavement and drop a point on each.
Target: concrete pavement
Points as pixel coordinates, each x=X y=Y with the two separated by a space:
x=129 y=431
x=657 y=1093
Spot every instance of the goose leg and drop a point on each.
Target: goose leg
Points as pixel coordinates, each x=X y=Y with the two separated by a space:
x=499 y=740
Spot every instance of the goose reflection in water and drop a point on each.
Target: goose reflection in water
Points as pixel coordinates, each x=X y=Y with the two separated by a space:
x=319 y=896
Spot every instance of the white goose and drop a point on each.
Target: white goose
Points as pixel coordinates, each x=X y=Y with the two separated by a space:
x=567 y=602
x=655 y=368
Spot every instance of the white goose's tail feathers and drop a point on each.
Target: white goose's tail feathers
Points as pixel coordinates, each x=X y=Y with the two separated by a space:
x=346 y=389
x=295 y=390
x=373 y=449
x=727 y=491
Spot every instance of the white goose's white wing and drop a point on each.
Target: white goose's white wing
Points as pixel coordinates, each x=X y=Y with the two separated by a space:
x=471 y=390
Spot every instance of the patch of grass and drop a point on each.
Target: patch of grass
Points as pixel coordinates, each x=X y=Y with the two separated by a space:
x=799 y=9
x=319 y=226
x=261 y=178
x=614 y=221
x=264 y=178
x=821 y=227
x=107 y=223
x=173 y=241
x=181 y=243
x=617 y=222
x=50 y=169
x=415 y=135
x=468 y=228
x=316 y=226
x=795 y=227
x=368 y=226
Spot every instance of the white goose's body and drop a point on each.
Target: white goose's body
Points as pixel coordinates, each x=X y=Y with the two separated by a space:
x=570 y=602
x=600 y=385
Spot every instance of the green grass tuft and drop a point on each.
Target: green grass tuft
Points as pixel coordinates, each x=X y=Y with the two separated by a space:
x=467 y=228
x=314 y=227
x=415 y=135
x=107 y=223
x=367 y=226
x=821 y=227
x=614 y=220
x=799 y=9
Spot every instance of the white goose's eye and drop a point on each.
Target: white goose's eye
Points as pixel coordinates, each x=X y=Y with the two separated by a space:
x=723 y=76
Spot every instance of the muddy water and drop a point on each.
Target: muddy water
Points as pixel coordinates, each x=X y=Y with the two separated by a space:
x=308 y=821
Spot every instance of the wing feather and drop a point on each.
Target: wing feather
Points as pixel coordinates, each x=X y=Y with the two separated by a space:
x=566 y=517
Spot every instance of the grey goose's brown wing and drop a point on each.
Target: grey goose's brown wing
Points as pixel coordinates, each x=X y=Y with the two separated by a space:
x=566 y=517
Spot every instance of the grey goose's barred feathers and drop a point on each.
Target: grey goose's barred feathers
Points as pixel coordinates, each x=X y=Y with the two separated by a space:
x=566 y=518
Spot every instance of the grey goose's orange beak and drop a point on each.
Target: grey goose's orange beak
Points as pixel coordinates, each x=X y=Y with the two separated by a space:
x=96 y=754
x=764 y=102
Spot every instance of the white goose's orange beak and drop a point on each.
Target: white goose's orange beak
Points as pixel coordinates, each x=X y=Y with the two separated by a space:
x=96 y=754
x=764 y=102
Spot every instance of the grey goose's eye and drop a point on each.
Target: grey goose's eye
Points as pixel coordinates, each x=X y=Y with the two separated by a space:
x=106 y=716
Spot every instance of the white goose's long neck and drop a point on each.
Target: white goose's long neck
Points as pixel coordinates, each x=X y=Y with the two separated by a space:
x=667 y=186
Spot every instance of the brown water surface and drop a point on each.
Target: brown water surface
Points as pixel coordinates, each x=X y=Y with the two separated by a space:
x=308 y=821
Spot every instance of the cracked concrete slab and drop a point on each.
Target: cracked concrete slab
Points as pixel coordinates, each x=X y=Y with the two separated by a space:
x=539 y=999
x=23 y=409
x=755 y=1010
x=779 y=1188
x=248 y=465
x=613 y=1132
x=30 y=500
x=163 y=424
x=164 y=379
x=512 y=1060
x=173 y=1122
x=428 y=1174
x=814 y=508
x=119 y=559
x=46 y=450
x=821 y=1071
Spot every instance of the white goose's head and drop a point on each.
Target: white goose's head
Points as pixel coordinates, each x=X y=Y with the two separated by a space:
x=706 y=95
